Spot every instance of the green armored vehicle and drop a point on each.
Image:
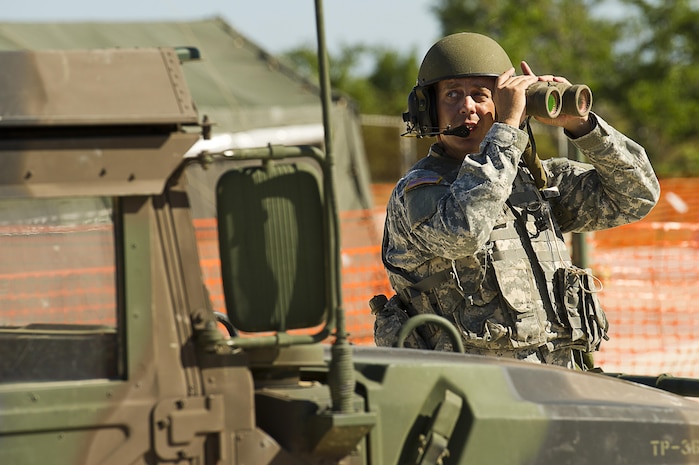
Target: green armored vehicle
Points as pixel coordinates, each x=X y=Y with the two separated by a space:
x=111 y=352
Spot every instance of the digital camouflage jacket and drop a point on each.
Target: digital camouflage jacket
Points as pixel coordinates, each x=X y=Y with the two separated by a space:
x=477 y=243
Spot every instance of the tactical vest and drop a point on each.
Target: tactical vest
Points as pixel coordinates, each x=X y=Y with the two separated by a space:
x=519 y=291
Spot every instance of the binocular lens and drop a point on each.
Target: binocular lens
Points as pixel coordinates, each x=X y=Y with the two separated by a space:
x=544 y=99
x=584 y=100
x=549 y=99
x=553 y=103
x=577 y=99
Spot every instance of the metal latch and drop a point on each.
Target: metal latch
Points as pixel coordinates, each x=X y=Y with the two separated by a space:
x=180 y=426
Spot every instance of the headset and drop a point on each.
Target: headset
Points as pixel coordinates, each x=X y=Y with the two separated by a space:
x=421 y=117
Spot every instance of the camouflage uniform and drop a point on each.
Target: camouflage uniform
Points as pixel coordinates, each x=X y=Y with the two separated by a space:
x=478 y=243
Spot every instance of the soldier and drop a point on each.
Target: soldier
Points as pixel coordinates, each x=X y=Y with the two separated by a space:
x=474 y=231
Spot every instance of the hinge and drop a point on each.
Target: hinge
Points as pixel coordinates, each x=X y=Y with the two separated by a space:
x=433 y=445
x=181 y=426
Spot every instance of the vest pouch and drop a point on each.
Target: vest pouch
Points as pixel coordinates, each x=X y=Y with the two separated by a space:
x=432 y=335
x=595 y=320
x=389 y=320
x=515 y=279
x=566 y=285
x=580 y=308
x=492 y=335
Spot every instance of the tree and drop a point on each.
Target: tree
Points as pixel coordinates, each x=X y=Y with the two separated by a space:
x=393 y=76
x=553 y=36
x=643 y=68
x=659 y=82
x=378 y=79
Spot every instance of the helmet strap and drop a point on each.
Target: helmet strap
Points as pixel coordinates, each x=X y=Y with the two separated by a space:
x=532 y=160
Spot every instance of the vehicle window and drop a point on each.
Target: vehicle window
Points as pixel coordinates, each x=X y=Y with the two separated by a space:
x=58 y=306
x=201 y=191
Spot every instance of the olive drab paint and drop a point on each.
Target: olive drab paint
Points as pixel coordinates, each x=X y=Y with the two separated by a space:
x=111 y=350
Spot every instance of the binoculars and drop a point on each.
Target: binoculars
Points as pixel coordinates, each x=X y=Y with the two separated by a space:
x=549 y=99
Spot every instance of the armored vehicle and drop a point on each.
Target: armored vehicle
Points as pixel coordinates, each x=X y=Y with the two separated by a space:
x=113 y=354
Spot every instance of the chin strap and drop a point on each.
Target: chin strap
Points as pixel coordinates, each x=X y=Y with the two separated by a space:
x=531 y=158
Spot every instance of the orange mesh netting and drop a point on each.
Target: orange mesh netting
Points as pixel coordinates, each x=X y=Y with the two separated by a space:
x=57 y=274
x=649 y=271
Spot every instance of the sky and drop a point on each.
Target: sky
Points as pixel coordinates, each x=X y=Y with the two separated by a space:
x=274 y=25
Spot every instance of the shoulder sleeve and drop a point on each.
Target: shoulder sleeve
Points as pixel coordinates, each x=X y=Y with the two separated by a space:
x=617 y=186
x=422 y=195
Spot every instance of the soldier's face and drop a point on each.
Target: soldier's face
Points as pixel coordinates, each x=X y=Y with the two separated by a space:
x=465 y=101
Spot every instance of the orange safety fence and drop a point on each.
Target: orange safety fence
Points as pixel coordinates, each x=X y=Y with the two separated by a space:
x=57 y=274
x=649 y=271
x=650 y=276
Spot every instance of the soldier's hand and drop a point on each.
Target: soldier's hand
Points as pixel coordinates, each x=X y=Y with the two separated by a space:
x=575 y=125
x=510 y=97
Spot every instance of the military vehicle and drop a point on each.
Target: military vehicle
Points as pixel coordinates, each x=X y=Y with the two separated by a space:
x=112 y=352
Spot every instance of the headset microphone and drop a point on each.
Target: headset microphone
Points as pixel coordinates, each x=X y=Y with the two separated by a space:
x=459 y=131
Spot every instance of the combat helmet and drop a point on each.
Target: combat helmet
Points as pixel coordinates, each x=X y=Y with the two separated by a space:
x=457 y=55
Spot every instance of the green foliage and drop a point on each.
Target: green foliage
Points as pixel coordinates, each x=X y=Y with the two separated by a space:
x=643 y=68
x=382 y=89
x=667 y=106
x=553 y=36
x=393 y=77
x=658 y=83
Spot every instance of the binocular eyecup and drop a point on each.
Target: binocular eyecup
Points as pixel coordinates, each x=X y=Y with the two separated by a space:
x=550 y=99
